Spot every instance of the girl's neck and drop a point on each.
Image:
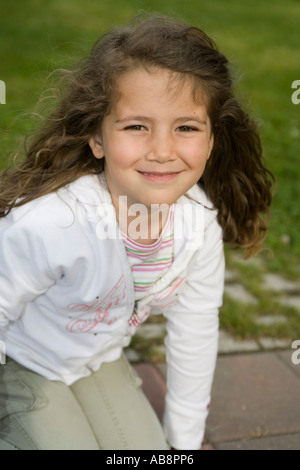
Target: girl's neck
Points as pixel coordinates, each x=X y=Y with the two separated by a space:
x=141 y=223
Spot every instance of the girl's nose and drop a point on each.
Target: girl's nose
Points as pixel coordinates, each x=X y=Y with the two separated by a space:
x=161 y=148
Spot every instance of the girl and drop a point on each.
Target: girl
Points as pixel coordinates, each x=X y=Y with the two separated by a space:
x=120 y=209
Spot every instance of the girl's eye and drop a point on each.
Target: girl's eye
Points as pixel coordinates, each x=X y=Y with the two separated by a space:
x=135 y=127
x=187 y=129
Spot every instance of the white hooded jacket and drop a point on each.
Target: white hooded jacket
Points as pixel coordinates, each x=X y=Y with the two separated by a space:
x=67 y=295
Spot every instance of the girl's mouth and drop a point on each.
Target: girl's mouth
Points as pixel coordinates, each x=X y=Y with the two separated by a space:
x=159 y=177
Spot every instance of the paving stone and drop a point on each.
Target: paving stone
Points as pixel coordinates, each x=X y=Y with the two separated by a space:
x=230 y=276
x=285 y=442
x=154 y=386
x=287 y=357
x=238 y=292
x=277 y=283
x=253 y=395
x=269 y=320
x=132 y=355
x=228 y=344
x=291 y=301
x=207 y=446
x=255 y=261
x=162 y=368
x=273 y=343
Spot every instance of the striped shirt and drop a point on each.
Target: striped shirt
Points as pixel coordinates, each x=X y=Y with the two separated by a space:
x=150 y=262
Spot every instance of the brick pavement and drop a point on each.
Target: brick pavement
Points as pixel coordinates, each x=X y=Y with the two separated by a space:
x=255 y=401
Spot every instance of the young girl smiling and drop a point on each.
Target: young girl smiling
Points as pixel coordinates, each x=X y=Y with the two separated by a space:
x=149 y=121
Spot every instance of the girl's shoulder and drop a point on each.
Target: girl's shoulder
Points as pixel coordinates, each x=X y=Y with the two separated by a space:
x=197 y=201
x=196 y=195
x=59 y=207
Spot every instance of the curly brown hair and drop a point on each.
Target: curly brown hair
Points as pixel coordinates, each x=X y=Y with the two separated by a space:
x=235 y=177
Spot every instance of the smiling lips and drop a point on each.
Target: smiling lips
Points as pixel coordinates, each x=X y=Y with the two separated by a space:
x=159 y=177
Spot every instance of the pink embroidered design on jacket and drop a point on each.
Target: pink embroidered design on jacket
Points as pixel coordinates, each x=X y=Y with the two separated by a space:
x=100 y=310
x=164 y=300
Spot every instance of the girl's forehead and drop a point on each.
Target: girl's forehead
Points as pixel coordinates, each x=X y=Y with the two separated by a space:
x=158 y=81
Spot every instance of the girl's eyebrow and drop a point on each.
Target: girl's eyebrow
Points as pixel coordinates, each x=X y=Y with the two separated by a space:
x=133 y=118
x=192 y=118
x=147 y=119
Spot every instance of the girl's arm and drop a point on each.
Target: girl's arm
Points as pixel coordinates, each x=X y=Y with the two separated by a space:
x=192 y=343
x=24 y=272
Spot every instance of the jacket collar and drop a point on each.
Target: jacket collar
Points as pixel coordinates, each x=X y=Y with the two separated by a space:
x=91 y=191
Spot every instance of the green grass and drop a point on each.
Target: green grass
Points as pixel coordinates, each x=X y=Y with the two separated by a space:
x=260 y=38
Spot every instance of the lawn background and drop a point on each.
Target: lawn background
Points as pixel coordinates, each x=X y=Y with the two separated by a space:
x=260 y=37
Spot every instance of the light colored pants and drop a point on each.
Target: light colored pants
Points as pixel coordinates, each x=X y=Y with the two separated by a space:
x=106 y=410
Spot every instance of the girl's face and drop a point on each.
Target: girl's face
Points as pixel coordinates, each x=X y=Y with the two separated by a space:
x=155 y=141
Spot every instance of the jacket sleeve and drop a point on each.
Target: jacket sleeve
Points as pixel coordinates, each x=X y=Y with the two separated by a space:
x=192 y=343
x=24 y=272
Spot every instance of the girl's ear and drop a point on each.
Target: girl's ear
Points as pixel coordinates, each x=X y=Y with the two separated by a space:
x=210 y=145
x=96 y=146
